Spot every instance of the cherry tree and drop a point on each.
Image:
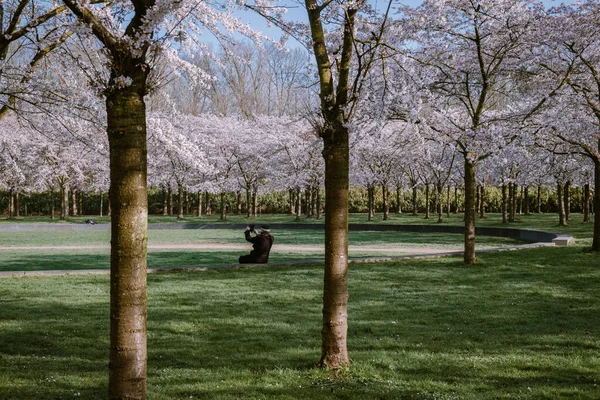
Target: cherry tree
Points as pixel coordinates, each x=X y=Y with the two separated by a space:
x=132 y=36
x=470 y=49
x=572 y=46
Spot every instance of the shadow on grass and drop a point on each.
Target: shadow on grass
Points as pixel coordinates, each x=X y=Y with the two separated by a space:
x=517 y=325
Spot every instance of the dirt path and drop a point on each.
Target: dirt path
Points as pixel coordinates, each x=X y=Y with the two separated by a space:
x=217 y=246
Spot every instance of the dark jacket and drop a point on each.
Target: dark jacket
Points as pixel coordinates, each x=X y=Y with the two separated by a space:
x=261 y=246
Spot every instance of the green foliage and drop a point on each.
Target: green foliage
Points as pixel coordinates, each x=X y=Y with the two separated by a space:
x=520 y=324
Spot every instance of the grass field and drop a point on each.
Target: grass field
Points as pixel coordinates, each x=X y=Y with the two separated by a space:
x=519 y=325
x=27 y=250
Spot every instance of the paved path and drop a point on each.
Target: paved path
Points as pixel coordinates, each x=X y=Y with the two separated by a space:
x=208 y=246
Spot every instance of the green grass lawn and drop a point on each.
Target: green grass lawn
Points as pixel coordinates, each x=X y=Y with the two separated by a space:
x=519 y=325
x=33 y=258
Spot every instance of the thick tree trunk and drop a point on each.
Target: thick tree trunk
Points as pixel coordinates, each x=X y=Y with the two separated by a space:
x=292 y=201
x=334 y=353
x=126 y=118
x=470 y=205
x=165 y=201
x=562 y=221
x=171 y=202
x=586 y=203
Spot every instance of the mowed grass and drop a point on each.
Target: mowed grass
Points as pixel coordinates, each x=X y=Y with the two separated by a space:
x=81 y=253
x=519 y=325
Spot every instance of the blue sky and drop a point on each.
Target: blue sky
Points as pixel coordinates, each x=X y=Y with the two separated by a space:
x=297 y=12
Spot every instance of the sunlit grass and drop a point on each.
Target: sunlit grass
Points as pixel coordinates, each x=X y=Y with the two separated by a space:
x=522 y=324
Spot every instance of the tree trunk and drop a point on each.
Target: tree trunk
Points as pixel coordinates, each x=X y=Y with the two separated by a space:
x=567 y=195
x=200 y=197
x=448 y=201
x=308 y=201
x=165 y=201
x=482 y=200
x=101 y=204
x=427 y=201
x=596 y=205
x=52 y=211
x=334 y=352
x=414 y=201
x=370 y=202
x=223 y=206
x=504 y=205
x=561 y=205
x=171 y=202
x=238 y=202
x=318 y=201
x=64 y=203
x=457 y=208
x=17 y=204
x=249 y=208
x=586 y=202
x=11 y=203
x=187 y=201
x=539 y=199
x=208 y=208
x=179 y=201
x=126 y=119
x=398 y=204
x=526 y=200
x=74 y=202
x=470 y=205
x=386 y=209
x=292 y=201
x=440 y=203
x=254 y=202
x=298 y=204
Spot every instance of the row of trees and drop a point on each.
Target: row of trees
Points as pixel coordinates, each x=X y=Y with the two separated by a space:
x=485 y=93
x=218 y=155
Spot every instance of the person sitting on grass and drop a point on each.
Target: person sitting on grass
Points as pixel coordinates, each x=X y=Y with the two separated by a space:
x=261 y=245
